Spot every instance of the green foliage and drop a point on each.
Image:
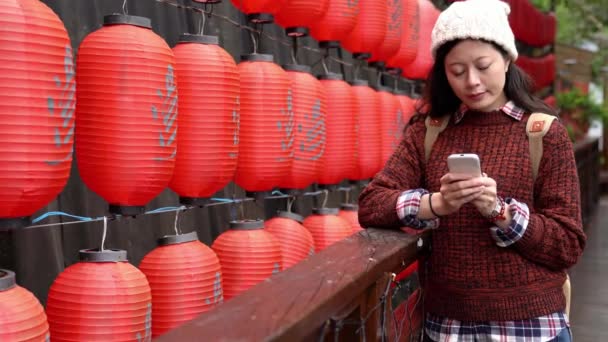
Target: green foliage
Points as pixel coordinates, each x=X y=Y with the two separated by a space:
x=575 y=101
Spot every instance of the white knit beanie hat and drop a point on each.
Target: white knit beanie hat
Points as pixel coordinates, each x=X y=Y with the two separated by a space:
x=475 y=19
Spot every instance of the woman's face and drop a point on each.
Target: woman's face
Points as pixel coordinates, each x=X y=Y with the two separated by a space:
x=476 y=72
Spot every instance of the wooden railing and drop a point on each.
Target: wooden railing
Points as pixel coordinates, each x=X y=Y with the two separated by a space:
x=587 y=156
x=345 y=283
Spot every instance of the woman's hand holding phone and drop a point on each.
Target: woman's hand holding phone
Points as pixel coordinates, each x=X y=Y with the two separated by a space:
x=457 y=190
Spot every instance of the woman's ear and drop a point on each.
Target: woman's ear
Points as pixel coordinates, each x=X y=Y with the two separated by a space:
x=507 y=64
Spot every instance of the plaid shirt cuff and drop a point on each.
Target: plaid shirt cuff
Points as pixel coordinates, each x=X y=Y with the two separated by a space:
x=517 y=227
x=408 y=206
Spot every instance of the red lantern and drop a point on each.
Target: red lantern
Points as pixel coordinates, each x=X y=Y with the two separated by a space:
x=410 y=30
x=308 y=100
x=327 y=227
x=248 y=255
x=368 y=139
x=296 y=16
x=185 y=278
x=209 y=90
x=423 y=63
x=36 y=109
x=350 y=212
x=266 y=124
x=296 y=242
x=392 y=39
x=338 y=162
x=126 y=113
x=369 y=32
x=259 y=11
x=391 y=122
x=22 y=317
x=340 y=18
x=408 y=106
x=101 y=298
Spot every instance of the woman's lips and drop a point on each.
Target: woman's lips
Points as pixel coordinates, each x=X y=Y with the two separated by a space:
x=476 y=96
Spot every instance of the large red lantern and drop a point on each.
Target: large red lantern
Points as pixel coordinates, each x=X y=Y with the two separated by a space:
x=350 y=212
x=327 y=227
x=126 y=113
x=296 y=16
x=209 y=90
x=101 y=298
x=339 y=19
x=36 y=109
x=338 y=162
x=392 y=39
x=408 y=106
x=410 y=33
x=391 y=122
x=22 y=317
x=296 y=242
x=368 y=138
x=369 y=32
x=248 y=255
x=308 y=104
x=420 y=67
x=185 y=278
x=266 y=124
x=259 y=11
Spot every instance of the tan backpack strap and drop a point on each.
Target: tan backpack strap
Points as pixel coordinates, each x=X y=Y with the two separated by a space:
x=434 y=126
x=538 y=125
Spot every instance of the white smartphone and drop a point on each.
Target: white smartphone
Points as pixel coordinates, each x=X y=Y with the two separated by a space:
x=465 y=163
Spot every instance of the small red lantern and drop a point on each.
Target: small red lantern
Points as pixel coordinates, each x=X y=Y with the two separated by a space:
x=338 y=162
x=296 y=16
x=22 y=317
x=208 y=83
x=339 y=19
x=410 y=33
x=391 y=122
x=420 y=67
x=308 y=99
x=296 y=242
x=266 y=124
x=259 y=11
x=248 y=255
x=392 y=39
x=101 y=298
x=368 y=135
x=350 y=212
x=327 y=227
x=37 y=109
x=126 y=113
x=185 y=278
x=369 y=32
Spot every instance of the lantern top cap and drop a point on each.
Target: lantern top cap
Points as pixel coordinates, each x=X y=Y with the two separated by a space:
x=177 y=239
x=298 y=68
x=349 y=207
x=291 y=216
x=198 y=38
x=359 y=82
x=7 y=280
x=247 y=225
x=107 y=255
x=331 y=76
x=257 y=57
x=325 y=211
x=123 y=19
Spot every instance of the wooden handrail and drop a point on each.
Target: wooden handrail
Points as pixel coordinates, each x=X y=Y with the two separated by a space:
x=293 y=304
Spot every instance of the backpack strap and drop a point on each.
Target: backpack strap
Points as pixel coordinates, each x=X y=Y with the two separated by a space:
x=538 y=125
x=434 y=126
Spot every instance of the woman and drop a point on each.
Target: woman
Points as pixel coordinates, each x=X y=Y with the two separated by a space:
x=502 y=242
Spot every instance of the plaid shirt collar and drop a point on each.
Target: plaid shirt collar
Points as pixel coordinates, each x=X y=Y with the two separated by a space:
x=509 y=109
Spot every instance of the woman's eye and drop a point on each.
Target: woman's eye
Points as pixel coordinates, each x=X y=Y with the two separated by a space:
x=483 y=67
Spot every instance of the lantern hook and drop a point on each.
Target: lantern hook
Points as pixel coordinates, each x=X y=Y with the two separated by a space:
x=294 y=50
x=178 y=231
x=105 y=230
x=290 y=201
x=124 y=8
x=254 y=41
x=326 y=195
x=324 y=61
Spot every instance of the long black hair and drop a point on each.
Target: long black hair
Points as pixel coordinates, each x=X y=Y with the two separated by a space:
x=439 y=98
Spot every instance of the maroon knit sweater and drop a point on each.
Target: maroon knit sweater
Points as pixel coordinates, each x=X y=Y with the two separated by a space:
x=467 y=276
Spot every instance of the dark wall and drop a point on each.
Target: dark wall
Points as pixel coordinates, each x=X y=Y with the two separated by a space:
x=39 y=254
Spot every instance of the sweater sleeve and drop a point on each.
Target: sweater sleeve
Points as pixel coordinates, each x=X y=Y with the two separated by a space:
x=554 y=236
x=403 y=171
